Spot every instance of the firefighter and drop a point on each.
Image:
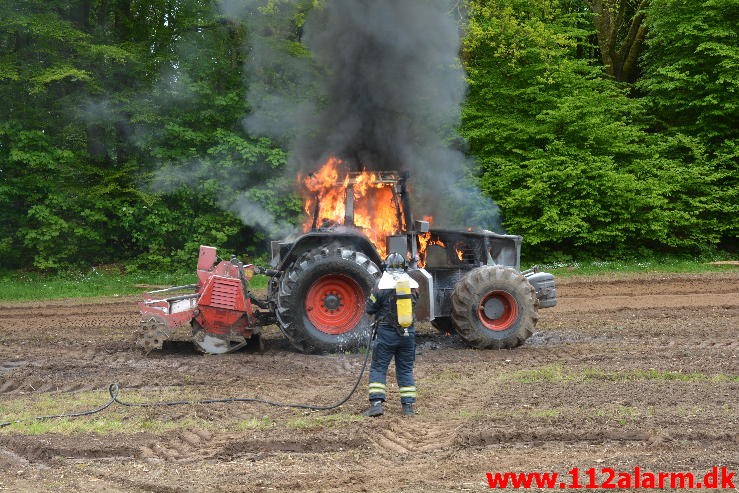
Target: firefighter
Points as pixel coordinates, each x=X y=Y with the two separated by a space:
x=391 y=302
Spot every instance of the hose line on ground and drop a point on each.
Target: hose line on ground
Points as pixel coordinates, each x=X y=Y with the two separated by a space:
x=114 y=389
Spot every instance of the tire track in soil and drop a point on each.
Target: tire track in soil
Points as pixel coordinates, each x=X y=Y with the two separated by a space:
x=412 y=435
x=565 y=352
x=582 y=351
x=184 y=447
x=645 y=284
x=11 y=365
x=195 y=445
x=108 y=480
x=96 y=322
x=486 y=438
x=85 y=377
x=38 y=307
x=715 y=344
x=34 y=384
x=607 y=303
x=10 y=460
x=134 y=485
x=61 y=319
x=32 y=451
x=86 y=311
x=63 y=377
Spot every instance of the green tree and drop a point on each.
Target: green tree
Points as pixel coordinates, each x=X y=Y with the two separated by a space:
x=51 y=192
x=100 y=96
x=691 y=82
x=620 y=30
x=564 y=151
x=691 y=69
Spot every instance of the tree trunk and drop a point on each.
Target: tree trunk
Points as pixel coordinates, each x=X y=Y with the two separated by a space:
x=620 y=29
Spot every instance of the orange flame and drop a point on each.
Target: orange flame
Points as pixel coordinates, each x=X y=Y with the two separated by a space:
x=374 y=204
x=424 y=241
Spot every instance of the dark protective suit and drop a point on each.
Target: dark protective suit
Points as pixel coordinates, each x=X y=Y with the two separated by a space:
x=391 y=343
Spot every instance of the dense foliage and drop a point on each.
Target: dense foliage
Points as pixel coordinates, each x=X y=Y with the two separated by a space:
x=122 y=136
x=575 y=163
x=691 y=84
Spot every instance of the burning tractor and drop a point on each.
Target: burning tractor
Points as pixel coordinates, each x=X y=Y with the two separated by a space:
x=470 y=281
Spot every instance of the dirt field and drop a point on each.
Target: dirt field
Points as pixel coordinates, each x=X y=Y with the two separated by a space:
x=624 y=372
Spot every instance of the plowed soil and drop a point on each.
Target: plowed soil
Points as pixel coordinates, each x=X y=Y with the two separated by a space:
x=626 y=371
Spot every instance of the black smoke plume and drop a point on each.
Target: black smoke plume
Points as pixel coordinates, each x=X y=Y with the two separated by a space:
x=381 y=89
x=393 y=84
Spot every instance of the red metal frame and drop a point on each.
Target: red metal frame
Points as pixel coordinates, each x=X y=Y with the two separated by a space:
x=222 y=306
x=217 y=301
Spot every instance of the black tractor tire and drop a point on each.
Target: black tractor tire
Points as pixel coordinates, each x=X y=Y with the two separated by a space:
x=321 y=299
x=494 y=307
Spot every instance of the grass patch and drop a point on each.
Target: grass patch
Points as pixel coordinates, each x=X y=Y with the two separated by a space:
x=550 y=373
x=118 y=422
x=255 y=424
x=556 y=373
x=322 y=421
x=665 y=265
x=505 y=414
x=120 y=419
x=622 y=415
x=114 y=419
x=652 y=374
x=446 y=375
x=26 y=286
x=542 y=413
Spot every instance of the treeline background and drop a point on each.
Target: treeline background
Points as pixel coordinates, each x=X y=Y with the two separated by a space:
x=601 y=128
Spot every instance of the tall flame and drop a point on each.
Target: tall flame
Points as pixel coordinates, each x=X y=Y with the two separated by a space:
x=375 y=212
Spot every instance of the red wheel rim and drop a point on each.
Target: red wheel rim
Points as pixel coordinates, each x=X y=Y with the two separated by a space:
x=497 y=310
x=334 y=304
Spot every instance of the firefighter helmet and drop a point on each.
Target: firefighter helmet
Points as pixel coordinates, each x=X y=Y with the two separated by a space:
x=395 y=262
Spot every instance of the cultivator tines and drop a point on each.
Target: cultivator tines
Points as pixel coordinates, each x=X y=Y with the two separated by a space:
x=154 y=332
x=211 y=343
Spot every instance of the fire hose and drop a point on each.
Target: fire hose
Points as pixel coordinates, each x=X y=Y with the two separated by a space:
x=114 y=390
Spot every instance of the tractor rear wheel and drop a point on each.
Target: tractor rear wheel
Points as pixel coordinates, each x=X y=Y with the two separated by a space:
x=494 y=307
x=321 y=299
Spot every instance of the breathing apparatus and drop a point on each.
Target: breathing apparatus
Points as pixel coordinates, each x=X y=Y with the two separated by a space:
x=395 y=277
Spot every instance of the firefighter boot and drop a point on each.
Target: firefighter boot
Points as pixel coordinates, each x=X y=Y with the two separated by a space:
x=375 y=409
x=408 y=409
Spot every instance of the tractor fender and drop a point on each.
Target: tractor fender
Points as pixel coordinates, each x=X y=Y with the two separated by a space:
x=314 y=239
